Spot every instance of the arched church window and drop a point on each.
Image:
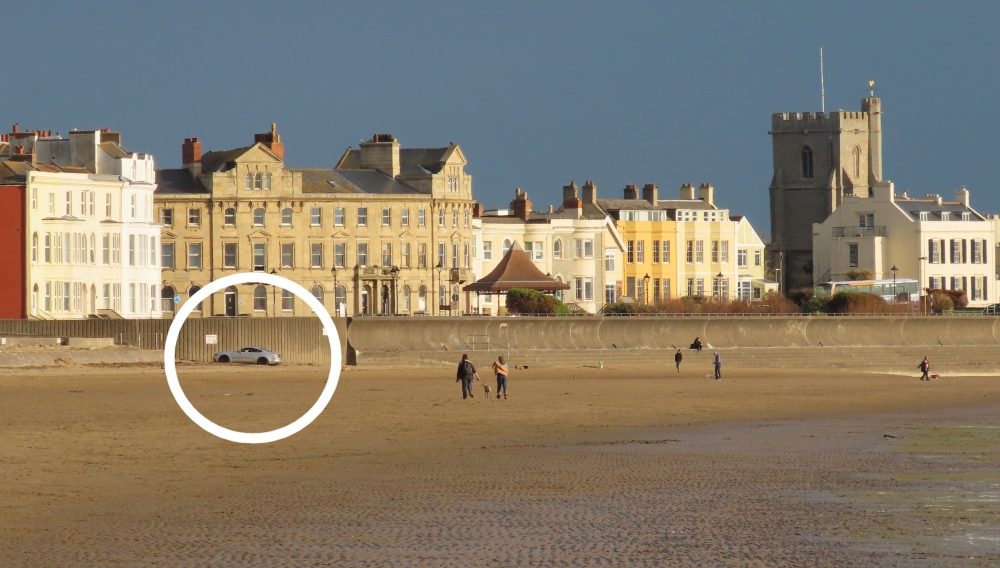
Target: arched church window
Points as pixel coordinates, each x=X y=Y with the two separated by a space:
x=807 y=162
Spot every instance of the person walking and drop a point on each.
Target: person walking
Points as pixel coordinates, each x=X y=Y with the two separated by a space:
x=718 y=366
x=696 y=345
x=925 y=367
x=466 y=372
x=677 y=360
x=500 y=368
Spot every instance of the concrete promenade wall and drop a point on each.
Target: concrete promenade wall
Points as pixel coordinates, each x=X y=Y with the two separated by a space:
x=398 y=335
x=298 y=339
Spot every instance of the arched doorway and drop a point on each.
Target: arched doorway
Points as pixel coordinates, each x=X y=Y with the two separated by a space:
x=232 y=309
x=167 y=299
x=340 y=300
x=422 y=298
x=192 y=292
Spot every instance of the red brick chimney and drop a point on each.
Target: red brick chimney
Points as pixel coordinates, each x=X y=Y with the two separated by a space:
x=20 y=155
x=521 y=205
x=272 y=140
x=571 y=196
x=190 y=151
x=477 y=210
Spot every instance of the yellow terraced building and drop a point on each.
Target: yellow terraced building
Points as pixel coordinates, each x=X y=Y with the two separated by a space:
x=680 y=247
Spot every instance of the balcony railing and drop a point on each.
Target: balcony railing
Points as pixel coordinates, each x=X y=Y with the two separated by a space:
x=859 y=232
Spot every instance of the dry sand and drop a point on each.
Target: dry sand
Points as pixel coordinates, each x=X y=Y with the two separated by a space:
x=587 y=467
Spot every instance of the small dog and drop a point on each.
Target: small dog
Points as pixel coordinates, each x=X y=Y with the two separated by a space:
x=486 y=388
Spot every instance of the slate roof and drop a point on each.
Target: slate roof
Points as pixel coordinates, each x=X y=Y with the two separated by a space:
x=515 y=270
x=14 y=173
x=915 y=206
x=323 y=180
x=412 y=161
x=220 y=161
x=178 y=180
x=114 y=150
x=643 y=205
x=4 y=149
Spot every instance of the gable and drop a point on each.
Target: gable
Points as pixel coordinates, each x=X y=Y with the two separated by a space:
x=258 y=154
x=454 y=157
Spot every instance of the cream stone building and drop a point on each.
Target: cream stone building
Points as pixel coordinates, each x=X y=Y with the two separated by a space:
x=92 y=242
x=385 y=231
x=583 y=252
x=941 y=244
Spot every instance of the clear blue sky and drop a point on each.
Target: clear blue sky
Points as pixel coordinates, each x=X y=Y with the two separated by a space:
x=536 y=93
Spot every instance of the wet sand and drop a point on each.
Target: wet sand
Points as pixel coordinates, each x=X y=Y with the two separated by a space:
x=99 y=467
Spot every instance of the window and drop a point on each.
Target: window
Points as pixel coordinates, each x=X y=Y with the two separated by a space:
x=167 y=217
x=656 y=252
x=699 y=253
x=609 y=260
x=725 y=252
x=420 y=218
x=467 y=260
x=131 y=250
x=166 y=254
x=69 y=203
x=404 y=303
x=404 y=218
x=610 y=294
x=286 y=217
x=852 y=253
x=405 y=259
x=807 y=162
x=666 y=252
x=105 y=248
x=316 y=216
x=665 y=293
x=316 y=255
x=741 y=258
x=505 y=247
x=699 y=286
x=340 y=255
x=756 y=258
x=317 y=292
x=34 y=247
x=690 y=252
x=338 y=216
x=466 y=218
x=454 y=255
x=287 y=255
x=258 y=217
x=132 y=207
x=93 y=198
x=194 y=217
x=630 y=252
x=257 y=181
x=454 y=217
x=656 y=290
x=422 y=255
x=933 y=250
x=640 y=254
x=440 y=217
x=248 y=182
x=260 y=257
x=386 y=216
x=131 y=298
x=488 y=250
x=229 y=255
x=83 y=204
x=194 y=290
x=362 y=254
x=52 y=206
x=229 y=217
x=535 y=250
x=34 y=198
x=116 y=249
x=267 y=181
x=441 y=255
x=194 y=255
x=386 y=254
x=340 y=298
x=287 y=298
x=107 y=204
x=715 y=252
x=588 y=289
x=260 y=299
x=556 y=249
x=362 y=216
x=578 y=288
x=977 y=251
x=866 y=220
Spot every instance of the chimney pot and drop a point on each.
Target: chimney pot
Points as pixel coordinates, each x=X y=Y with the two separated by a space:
x=191 y=151
x=14 y=128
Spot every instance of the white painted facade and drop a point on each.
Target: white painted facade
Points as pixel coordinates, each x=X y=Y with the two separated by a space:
x=942 y=244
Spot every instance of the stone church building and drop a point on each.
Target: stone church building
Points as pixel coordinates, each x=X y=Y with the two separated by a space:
x=818 y=159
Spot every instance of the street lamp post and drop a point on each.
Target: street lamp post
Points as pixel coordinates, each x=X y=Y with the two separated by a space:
x=440 y=268
x=645 y=289
x=920 y=282
x=718 y=284
x=894 y=296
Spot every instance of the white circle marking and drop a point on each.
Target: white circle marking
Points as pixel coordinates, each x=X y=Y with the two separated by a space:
x=170 y=348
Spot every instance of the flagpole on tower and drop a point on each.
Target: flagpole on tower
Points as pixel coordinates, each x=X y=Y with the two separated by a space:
x=822 y=87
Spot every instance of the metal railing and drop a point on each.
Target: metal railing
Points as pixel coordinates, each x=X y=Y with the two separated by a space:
x=858 y=232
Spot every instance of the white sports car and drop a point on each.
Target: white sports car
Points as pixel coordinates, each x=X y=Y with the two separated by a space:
x=252 y=355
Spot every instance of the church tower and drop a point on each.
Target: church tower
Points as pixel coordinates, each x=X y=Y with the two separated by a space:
x=818 y=158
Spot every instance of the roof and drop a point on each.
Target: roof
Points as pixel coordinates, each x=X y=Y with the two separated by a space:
x=643 y=205
x=16 y=172
x=220 y=161
x=932 y=206
x=114 y=150
x=323 y=180
x=4 y=149
x=412 y=161
x=515 y=270
x=177 y=180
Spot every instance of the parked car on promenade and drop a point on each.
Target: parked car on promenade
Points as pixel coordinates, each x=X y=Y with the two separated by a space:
x=252 y=355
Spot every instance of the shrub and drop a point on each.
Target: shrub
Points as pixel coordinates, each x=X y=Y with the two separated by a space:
x=524 y=301
x=772 y=303
x=946 y=300
x=801 y=295
x=855 y=274
x=816 y=306
x=861 y=303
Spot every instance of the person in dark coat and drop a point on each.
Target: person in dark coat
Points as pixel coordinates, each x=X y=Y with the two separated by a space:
x=677 y=360
x=466 y=372
x=925 y=367
x=696 y=345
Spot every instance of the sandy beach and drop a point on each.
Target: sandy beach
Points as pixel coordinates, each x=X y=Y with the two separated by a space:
x=585 y=467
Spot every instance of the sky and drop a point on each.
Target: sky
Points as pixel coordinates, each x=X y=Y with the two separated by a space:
x=536 y=93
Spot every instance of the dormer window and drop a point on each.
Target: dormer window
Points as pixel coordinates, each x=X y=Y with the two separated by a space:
x=966 y=216
x=922 y=215
x=945 y=216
